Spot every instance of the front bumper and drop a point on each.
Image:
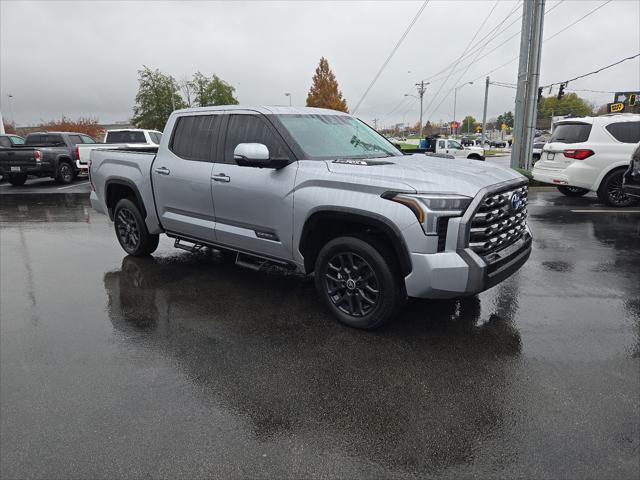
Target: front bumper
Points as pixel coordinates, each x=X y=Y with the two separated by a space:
x=464 y=273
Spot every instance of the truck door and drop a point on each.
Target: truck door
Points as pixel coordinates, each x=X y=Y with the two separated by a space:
x=442 y=146
x=254 y=206
x=181 y=176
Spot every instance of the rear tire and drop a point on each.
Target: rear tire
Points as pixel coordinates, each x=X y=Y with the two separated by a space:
x=65 y=173
x=17 y=180
x=132 y=232
x=359 y=281
x=573 y=191
x=611 y=193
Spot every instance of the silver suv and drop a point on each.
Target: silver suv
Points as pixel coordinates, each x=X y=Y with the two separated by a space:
x=319 y=192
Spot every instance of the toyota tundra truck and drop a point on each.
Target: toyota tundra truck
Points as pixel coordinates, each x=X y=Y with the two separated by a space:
x=319 y=192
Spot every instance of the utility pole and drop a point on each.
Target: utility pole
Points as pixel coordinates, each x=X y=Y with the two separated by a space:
x=375 y=124
x=422 y=87
x=484 y=111
x=528 y=78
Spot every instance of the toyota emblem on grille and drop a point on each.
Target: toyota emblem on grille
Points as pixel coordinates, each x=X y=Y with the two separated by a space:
x=516 y=201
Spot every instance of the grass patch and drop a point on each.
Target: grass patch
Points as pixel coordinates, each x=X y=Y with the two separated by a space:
x=529 y=175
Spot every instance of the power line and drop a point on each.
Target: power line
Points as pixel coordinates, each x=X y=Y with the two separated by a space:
x=594 y=72
x=399 y=42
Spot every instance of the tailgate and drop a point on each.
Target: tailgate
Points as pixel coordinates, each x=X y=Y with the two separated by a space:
x=552 y=157
x=17 y=160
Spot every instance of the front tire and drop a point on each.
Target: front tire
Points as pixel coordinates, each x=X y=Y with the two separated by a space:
x=611 y=193
x=65 y=173
x=17 y=180
x=572 y=191
x=359 y=281
x=131 y=230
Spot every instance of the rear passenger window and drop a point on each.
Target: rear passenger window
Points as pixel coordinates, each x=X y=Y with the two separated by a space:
x=194 y=137
x=5 y=142
x=251 y=129
x=625 y=132
x=75 y=139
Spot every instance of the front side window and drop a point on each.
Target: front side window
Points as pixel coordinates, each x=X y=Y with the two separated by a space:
x=17 y=140
x=194 y=137
x=87 y=139
x=571 y=133
x=251 y=129
x=75 y=139
x=155 y=137
x=454 y=144
x=625 y=132
x=328 y=137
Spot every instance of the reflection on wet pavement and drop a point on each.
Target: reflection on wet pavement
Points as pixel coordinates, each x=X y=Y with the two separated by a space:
x=181 y=366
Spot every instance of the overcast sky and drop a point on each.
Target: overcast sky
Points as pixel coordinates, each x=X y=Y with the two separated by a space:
x=80 y=58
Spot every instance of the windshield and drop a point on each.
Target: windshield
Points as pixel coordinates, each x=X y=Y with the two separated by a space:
x=327 y=137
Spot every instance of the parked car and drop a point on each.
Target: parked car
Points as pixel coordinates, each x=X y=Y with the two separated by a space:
x=538 y=145
x=374 y=225
x=9 y=141
x=125 y=137
x=631 y=180
x=497 y=144
x=590 y=154
x=46 y=154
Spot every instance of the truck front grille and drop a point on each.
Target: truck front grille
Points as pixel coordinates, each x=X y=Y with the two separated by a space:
x=499 y=221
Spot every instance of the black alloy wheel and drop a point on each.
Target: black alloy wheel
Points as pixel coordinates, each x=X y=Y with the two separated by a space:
x=352 y=284
x=128 y=231
x=611 y=192
x=65 y=173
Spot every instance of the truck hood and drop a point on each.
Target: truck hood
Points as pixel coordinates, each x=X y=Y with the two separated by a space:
x=426 y=174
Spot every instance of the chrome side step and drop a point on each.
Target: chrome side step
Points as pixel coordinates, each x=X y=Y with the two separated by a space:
x=254 y=262
x=193 y=248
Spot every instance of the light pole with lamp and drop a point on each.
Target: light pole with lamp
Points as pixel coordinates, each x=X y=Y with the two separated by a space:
x=455 y=98
x=288 y=95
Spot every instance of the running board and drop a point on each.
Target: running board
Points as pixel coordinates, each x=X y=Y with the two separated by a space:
x=256 y=263
x=193 y=248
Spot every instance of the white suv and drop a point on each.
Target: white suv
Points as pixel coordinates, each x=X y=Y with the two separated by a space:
x=590 y=154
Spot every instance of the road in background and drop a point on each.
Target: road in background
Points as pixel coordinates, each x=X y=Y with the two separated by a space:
x=46 y=186
x=179 y=366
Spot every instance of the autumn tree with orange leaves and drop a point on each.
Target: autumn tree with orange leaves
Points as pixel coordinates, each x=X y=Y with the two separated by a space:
x=324 y=92
x=88 y=126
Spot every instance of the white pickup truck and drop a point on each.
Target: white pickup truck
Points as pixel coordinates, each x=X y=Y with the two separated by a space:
x=129 y=137
x=447 y=147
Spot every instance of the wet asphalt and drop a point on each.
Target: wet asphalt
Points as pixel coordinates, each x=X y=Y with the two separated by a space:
x=179 y=366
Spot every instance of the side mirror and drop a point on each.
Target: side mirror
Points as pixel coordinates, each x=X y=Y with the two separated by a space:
x=256 y=155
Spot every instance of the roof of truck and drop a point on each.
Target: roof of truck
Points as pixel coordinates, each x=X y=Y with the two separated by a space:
x=266 y=110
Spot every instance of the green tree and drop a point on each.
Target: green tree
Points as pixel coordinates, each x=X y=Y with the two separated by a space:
x=569 y=104
x=158 y=95
x=324 y=92
x=212 y=90
x=468 y=125
x=506 y=117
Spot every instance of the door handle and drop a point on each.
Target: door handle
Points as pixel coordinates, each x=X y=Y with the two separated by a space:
x=221 y=177
x=162 y=171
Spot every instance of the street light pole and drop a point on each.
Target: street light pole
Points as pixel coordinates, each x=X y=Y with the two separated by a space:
x=455 y=99
x=484 y=112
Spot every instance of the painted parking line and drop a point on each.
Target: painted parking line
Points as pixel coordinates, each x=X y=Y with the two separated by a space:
x=619 y=210
x=73 y=185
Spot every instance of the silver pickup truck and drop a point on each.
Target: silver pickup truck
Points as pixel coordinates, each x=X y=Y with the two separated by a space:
x=318 y=191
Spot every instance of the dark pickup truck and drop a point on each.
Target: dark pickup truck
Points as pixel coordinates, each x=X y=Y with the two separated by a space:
x=50 y=154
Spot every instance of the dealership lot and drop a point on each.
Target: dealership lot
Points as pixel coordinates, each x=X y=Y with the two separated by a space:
x=180 y=366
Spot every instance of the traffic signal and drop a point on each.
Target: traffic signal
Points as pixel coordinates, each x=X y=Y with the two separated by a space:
x=561 y=90
x=539 y=93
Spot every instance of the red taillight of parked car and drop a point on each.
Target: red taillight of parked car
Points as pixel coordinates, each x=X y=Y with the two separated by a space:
x=578 y=153
x=37 y=155
x=77 y=153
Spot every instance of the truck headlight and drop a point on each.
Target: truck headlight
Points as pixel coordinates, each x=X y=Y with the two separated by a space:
x=429 y=208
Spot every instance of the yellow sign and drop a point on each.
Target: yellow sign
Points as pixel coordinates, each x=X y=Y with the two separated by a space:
x=478 y=128
x=504 y=127
x=616 y=107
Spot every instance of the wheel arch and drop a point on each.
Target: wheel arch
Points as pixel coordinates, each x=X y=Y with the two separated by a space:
x=620 y=165
x=119 y=188
x=325 y=223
